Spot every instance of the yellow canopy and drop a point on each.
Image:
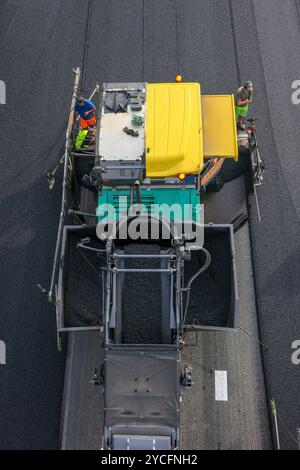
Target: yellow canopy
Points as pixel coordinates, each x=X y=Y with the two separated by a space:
x=219 y=127
x=182 y=129
x=174 y=140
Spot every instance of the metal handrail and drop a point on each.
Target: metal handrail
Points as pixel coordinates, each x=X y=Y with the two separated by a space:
x=68 y=146
x=129 y=270
x=142 y=256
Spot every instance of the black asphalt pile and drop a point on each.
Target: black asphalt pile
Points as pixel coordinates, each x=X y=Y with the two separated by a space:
x=232 y=169
x=83 y=285
x=141 y=298
x=210 y=296
x=83 y=166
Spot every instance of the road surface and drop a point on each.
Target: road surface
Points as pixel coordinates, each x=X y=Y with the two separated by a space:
x=217 y=43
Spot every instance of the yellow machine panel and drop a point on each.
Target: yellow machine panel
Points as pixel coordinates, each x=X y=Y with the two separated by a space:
x=174 y=135
x=219 y=127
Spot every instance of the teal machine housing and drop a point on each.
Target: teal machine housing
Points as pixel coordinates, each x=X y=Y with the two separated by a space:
x=180 y=202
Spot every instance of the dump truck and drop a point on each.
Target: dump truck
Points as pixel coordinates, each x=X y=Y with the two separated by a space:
x=134 y=258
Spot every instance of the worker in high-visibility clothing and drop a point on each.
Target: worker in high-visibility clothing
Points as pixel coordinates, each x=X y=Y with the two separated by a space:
x=86 y=110
x=243 y=97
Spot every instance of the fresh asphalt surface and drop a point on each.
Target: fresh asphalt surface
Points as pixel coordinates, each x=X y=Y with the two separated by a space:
x=219 y=43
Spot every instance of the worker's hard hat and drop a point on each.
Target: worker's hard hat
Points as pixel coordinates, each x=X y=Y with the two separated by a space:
x=249 y=85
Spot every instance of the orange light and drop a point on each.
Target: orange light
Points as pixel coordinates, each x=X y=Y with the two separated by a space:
x=181 y=176
x=178 y=78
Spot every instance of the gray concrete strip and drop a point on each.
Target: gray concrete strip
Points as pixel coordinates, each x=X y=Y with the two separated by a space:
x=82 y=411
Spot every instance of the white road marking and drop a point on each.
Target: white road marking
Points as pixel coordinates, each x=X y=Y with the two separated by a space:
x=221 y=388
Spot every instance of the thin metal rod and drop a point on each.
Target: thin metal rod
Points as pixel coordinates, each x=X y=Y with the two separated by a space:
x=178 y=293
x=142 y=270
x=274 y=413
x=90 y=248
x=142 y=256
x=81 y=155
x=252 y=336
x=108 y=290
x=80 y=328
x=257 y=204
x=124 y=167
x=86 y=214
x=64 y=185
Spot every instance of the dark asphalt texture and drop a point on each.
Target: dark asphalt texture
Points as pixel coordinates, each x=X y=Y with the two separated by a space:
x=82 y=285
x=215 y=282
x=140 y=309
x=37 y=54
x=267 y=54
x=219 y=43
